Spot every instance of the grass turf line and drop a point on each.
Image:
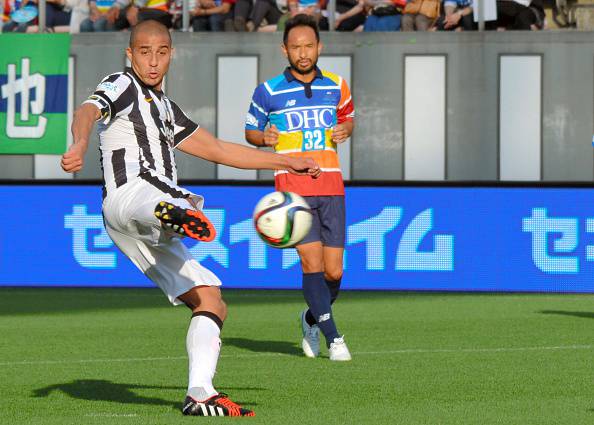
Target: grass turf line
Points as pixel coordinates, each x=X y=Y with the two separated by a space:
x=424 y=358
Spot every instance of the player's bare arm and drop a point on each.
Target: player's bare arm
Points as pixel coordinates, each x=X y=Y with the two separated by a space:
x=204 y=145
x=342 y=131
x=268 y=137
x=82 y=124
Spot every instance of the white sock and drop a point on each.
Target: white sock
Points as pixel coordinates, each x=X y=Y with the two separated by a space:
x=203 y=345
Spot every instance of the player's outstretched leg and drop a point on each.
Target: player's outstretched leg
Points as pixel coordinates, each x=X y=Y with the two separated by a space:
x=311 y=335
x=218 y=405
x=203 y=343
x=185 y=222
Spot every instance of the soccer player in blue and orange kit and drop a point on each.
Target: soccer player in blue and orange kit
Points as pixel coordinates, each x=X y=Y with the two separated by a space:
x=302 y=112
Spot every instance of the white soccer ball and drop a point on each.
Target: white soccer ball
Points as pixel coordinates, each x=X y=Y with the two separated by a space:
x=282 y=219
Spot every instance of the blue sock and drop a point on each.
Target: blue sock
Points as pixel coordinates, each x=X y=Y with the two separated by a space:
x=317 y=296
x=334 y=287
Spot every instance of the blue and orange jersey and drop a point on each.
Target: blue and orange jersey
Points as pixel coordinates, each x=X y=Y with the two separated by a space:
x=304 y=114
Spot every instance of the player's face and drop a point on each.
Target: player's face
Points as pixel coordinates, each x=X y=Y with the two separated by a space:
x=150 y=57
x=302 y=50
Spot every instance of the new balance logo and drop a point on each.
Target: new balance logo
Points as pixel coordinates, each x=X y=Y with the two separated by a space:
x=324 y=317
x=290 y=102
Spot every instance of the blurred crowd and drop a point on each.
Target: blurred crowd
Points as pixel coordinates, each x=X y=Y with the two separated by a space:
x=269 y=15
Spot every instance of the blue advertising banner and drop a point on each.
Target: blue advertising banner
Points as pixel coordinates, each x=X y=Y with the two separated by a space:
x=398 y=238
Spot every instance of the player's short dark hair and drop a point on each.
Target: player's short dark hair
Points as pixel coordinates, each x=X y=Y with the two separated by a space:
x=150 y=25
x=301 y=20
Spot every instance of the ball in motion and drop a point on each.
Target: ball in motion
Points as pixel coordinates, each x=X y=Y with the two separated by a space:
x=282 y=219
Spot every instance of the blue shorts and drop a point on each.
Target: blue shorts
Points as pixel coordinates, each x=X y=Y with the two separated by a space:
x=328 y=224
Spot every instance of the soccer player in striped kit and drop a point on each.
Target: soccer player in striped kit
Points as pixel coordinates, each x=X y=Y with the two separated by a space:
x=307 y=112
x=146 y=213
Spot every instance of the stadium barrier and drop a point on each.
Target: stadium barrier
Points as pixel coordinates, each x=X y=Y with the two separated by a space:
x=502 y=106
x=424 y=237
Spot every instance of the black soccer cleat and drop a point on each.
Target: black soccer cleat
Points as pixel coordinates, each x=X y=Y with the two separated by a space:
x=185 y=222
x=218 y=405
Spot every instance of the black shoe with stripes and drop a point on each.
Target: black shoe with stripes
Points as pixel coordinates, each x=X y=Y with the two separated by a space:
x=218 y=405
x=185 y=222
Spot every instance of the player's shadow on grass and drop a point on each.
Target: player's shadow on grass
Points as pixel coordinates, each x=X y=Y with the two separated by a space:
x=258 y=346
x=102 y=390
x=582 y=314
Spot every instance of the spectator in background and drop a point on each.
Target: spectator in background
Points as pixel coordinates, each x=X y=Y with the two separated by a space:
x=99 y=19
x=306 y=7
x=420 y=15
x=457 y=16
x=57 y=17
x=144 y=10
x=79 y=12
x=351 y=15
x=213 y=15
x=520 y=14
x=241 y=14
x=5 y=9
x=344 y=21
x=254 y=14
x=383 y=15
x=19 y=21
x=118 y=14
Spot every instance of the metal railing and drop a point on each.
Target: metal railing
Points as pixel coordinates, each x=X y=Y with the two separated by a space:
x=41 y=16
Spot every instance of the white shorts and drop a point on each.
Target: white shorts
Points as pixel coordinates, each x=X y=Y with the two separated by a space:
x=159 y=253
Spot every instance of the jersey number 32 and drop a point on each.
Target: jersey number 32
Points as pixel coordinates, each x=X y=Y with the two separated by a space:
x=313 y=140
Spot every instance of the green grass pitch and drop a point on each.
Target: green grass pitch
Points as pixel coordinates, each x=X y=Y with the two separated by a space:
x=117 y=356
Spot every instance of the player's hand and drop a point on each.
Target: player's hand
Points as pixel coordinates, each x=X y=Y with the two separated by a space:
x=271 y=135
x=73 y=160
x=304 y=167
x=339 y=133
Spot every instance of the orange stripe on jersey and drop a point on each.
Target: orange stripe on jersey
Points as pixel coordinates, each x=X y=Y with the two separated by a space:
x=328 y=184
x=325 y=159
x=346 y=109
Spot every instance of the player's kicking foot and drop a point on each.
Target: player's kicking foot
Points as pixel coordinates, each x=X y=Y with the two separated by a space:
x=218 y=405
x=185 y=222
x=311 y=338
x=339 y=351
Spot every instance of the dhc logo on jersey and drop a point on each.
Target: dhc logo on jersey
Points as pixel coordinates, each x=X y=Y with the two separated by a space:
x=310 y=118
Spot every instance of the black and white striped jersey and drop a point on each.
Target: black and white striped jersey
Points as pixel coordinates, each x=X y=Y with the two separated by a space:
x=138 y=129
